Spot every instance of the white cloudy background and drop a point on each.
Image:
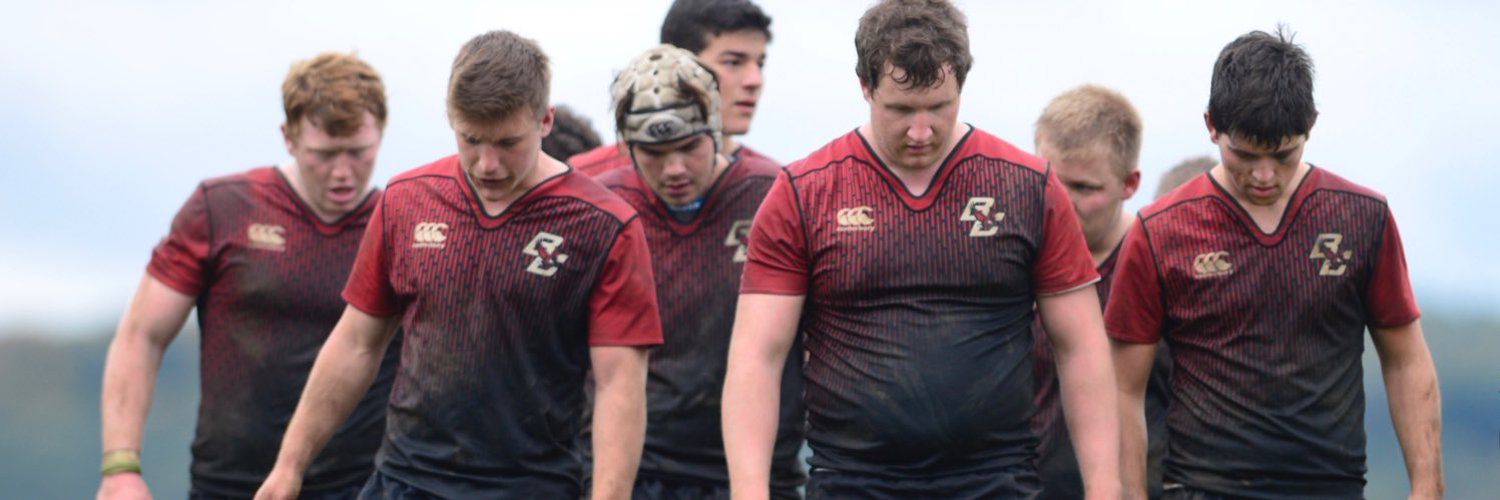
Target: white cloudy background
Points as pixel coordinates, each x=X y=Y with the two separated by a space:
x=110 y=112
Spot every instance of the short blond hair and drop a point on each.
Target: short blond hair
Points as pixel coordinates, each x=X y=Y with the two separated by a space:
x=1183 y=172
x=333 y=90
x=1089 y=120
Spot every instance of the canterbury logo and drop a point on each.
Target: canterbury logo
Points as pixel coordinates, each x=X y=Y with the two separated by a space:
x=855 y=219
x=739 y=239
x=544 y=247
x=1212 y=264
x=429 y=235
x=980 y=211
x=1326 y=248
x=267 y=237
x=661 y=130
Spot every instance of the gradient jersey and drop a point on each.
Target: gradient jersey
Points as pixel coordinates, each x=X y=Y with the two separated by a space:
x=1057 y=461
x=266 y=273
x=918 y=307
x=1266 y=331
x=597 y=161
x=698 y=266
x=499 y=314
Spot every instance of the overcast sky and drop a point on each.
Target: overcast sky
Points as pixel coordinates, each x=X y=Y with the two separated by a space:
x=111 y=112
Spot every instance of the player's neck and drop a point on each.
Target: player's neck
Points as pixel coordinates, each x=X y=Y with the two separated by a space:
x=916 y=180
x=1106 y=246
x=731 y=146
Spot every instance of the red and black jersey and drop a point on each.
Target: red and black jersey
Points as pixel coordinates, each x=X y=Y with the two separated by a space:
x=266 y=273
x=499 y=314
x=698 y=265
x=918 y=307
x=1265 y=330
x=1057 y=461
x=597 y=161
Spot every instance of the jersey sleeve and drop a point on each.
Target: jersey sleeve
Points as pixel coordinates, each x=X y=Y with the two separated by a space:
x=622 y=307
x=776 y=262
x=1134 y=311
x=1064 y=262
x=369 y=288
x=180 y=260
x=1389 y=298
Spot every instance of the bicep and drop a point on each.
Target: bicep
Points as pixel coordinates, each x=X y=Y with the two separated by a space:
x=157 y=311
x=1399 y=343
x=1072 y=315
x=613 y=362
x=1133 y=361
x=766 y=324
x=362 y=331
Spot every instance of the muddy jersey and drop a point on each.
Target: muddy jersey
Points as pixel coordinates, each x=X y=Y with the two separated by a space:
x=266 y=272
x=1057 y=460
x=918 y=310
x=1265 y=330
x=698 y=265
x=499 y=313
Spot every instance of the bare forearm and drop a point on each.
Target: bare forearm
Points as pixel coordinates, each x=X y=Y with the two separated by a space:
x=129 y=381
x=1132 y=446
x=1089 y=397
x=1416 y=413
x=751 y=404
x=619 y=433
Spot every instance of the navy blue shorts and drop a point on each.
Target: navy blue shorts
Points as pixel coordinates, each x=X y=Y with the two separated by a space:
x=1015 y=482
x=381 y=486
x=345 y=493
x=658 y=488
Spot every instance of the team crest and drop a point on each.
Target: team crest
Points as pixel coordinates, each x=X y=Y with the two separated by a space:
x=429 y=235
x=981 y=211
x=544 y=247
x=267 y=237
x=739 y=239
x=1326 y=249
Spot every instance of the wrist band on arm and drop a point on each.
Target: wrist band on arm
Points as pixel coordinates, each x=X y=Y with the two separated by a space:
x=121 y=460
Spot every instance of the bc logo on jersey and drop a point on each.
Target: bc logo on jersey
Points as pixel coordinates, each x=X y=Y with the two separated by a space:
x=429 y=235
x=1326 y=248
x=267 y=237
x=739 y=239
x=544 y=247
x=981 y=211
x=1208 y=265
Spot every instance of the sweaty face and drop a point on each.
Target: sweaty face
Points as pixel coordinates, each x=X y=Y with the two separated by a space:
x=913 y=127
x=1095 y=187
x=737 y=58
x=335 y=172
x=679 y=171
x=500 y=157
x=1259 y=174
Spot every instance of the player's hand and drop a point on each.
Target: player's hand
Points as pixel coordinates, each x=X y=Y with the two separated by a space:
x=280 y=485
x=123 y=486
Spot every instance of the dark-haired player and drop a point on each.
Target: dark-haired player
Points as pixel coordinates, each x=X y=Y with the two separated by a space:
x=262 y=254
x=730 y=37
x=510 y=276
x=696 y=207
x=1262 y=277
x=571 y=134
x=910 y=253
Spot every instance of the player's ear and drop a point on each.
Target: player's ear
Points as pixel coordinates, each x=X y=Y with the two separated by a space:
x=286 y=137
x=1132 y=183
x=865 y=88
x=547 y=121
